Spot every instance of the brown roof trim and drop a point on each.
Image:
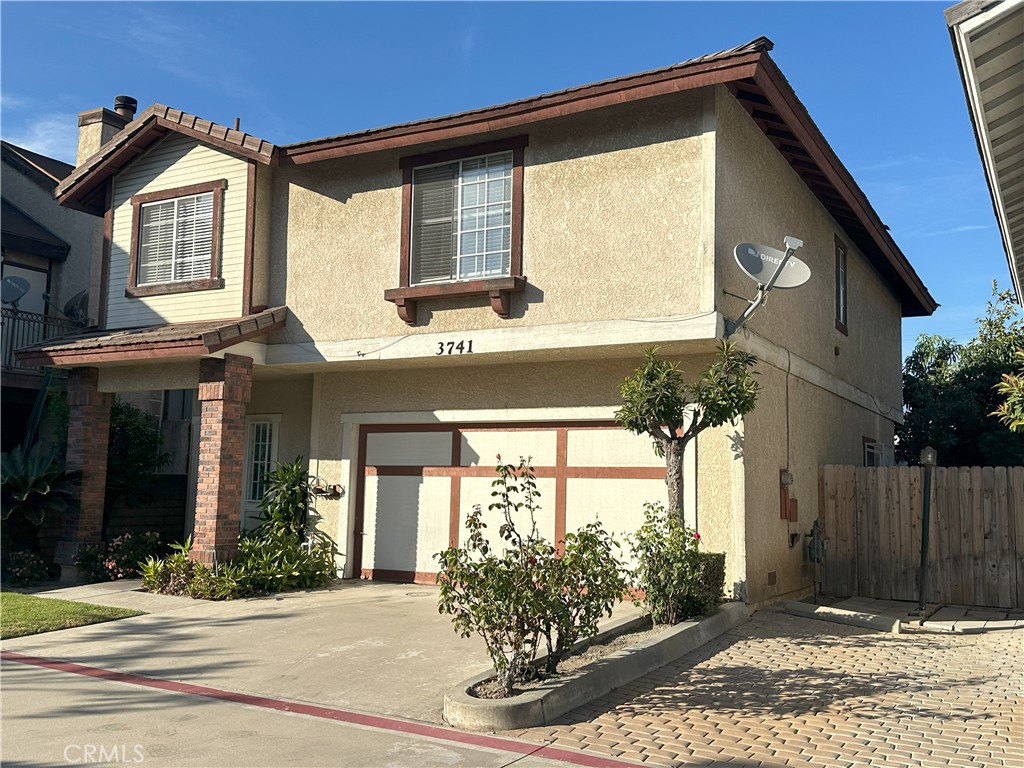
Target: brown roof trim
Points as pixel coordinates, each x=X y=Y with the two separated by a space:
x=82 y=189
x=718 y=68
x=171 y=341
x=893 y=264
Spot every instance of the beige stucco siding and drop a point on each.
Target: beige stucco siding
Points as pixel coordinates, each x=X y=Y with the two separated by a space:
x=612 y=229
x=799 y=426
x=291 y=399
x=760 y=199
x=176 y=162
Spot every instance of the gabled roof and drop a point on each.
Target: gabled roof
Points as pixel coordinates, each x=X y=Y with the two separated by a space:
x=45 y=170
x=988 y=41
x=167 y=342
x=747 y=71
x=20 y=232
x=83 y=188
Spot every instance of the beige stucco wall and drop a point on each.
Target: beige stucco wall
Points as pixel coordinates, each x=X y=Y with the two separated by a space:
x=760 y=199
x=612 y=228
x=177 y=161
x=799 y=426
x=82 y=231
x=291 y=398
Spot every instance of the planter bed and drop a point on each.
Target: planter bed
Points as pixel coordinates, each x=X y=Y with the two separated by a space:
x=555 y=697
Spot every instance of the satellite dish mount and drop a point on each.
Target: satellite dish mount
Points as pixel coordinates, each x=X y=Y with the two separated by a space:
x=756 y=261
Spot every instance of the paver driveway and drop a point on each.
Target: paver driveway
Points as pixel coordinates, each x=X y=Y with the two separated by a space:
x=783 y=690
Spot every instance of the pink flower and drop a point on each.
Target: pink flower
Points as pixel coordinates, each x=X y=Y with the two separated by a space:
x=696 y=536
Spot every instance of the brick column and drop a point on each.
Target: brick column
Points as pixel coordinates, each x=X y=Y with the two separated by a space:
x=88 y=435
x=225 y=386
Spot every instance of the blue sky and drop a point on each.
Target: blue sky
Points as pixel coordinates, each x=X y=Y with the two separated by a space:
x=879 y=79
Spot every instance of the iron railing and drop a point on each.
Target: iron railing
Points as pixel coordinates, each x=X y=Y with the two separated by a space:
x=22 y=329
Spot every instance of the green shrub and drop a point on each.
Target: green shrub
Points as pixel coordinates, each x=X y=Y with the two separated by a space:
x=678 y=581
x=528 y=591
x=23 y=569
x=266 y=562
x=286 y=499
x=33 y=484
x=119 y=559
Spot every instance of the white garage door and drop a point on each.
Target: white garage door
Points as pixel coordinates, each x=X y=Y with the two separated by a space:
x=416 y=484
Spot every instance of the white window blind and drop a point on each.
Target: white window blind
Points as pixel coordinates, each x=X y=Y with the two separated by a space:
x=176 y=240
x=462 y=220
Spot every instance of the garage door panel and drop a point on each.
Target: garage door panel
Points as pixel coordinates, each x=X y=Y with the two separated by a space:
x=610 y=448
x=617 y=504
x=409 y=449
x=406 y=522
x=477 y=490
x=480 y=448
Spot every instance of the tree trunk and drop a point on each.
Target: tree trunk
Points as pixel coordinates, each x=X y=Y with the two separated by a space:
x=674 y=475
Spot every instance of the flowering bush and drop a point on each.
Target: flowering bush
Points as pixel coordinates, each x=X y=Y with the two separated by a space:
x=120 y=558
x=528 y=591
x=23 y=568
x=679 y=581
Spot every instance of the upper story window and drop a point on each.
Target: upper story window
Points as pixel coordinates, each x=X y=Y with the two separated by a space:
x=176 y=240
x=462 y=220
x=462 y=226
x=842 y=296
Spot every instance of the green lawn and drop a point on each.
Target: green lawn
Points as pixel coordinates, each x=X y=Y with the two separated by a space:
x=28 y=615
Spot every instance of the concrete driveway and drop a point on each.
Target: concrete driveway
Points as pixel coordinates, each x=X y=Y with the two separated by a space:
x=348 y=676
x=374 y=647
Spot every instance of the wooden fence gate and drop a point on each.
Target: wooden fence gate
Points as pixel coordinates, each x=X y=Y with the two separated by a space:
x=872 y=519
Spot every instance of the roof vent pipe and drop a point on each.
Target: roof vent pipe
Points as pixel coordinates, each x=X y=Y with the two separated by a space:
x=125 y=106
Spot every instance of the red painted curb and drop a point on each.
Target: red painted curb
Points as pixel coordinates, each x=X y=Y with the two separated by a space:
x=379 y=722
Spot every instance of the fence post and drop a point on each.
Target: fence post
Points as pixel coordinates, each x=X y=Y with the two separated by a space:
x=928 y=461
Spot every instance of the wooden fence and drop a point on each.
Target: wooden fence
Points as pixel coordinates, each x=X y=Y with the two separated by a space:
x=872 y=520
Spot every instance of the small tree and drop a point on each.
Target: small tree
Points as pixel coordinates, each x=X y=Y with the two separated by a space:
x=657 y=401
x=1011 y=410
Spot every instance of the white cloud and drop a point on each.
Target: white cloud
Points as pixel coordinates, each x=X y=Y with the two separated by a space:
x=54 y=135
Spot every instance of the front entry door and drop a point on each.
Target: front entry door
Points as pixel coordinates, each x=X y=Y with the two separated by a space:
x=261 y=434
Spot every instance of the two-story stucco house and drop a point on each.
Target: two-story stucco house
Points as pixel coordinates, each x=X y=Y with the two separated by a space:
x=400 y=305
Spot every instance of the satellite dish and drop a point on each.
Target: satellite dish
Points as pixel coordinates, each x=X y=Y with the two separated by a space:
x=760 y=263
x=13 y=288
x=74 y=309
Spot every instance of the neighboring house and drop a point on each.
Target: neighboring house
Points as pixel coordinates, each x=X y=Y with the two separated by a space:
x=50 y=248
x=400 y=305
x=988 y=40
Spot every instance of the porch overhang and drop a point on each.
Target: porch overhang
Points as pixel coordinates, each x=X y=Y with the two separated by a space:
x=172 y=341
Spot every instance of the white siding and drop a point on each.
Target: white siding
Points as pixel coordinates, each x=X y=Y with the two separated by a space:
x=178 y=161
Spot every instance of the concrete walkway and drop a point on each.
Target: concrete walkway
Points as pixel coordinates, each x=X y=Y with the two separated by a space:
x=940 y=618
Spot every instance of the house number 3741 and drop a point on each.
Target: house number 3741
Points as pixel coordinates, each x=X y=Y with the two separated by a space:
x=454 y=347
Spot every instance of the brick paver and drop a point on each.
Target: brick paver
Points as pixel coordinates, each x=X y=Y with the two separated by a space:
x=784 y=690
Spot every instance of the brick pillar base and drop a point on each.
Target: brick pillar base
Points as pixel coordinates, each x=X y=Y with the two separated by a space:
x=88 y=435
x=225 y=386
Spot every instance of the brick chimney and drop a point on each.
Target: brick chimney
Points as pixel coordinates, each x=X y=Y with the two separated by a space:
x=97 y=126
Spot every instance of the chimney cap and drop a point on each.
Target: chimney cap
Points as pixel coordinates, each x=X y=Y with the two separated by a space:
x=125 y=106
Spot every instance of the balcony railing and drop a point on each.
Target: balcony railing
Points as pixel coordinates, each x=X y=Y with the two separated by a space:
x=22 y=329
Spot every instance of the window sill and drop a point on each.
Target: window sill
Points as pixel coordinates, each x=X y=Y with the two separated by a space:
x=186 y=286
x=499 y=290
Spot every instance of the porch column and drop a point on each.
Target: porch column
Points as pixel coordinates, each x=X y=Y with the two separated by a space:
x=225 y=386
x=88 y=435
